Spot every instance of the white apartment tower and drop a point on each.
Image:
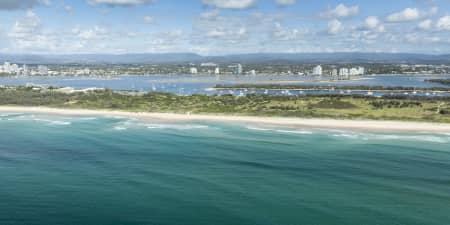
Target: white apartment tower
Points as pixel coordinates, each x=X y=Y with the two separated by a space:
x=239 y=69
x=193 y=70
x=42 y=70
x=317 y=70
x=343 y=72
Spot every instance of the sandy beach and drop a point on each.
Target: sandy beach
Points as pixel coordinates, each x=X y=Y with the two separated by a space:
x=369 y=125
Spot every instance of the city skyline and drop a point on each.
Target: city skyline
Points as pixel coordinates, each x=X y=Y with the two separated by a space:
x=219 y=27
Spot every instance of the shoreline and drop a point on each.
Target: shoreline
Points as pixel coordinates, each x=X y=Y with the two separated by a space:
x=363 y=125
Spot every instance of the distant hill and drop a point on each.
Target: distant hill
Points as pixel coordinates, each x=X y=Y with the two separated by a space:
x=281 y=58
x=335 y=58
x=101 y=58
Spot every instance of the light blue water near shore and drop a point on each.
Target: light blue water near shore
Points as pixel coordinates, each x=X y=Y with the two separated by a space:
x=93 y=170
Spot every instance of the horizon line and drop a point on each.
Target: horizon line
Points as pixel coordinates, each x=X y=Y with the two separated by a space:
x=230 y=54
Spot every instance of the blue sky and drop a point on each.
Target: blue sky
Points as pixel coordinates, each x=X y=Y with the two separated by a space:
x=217 y=27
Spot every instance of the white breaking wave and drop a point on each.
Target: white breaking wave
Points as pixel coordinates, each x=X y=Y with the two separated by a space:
x=133 y=123
x=294 y=131
x=11 y=114
x=373 y=136
x=125 y=125
x=85 y=118
x=176 y=126
x=351 y=136
x=53 y=122
x=120 y=128
x=50 y=120
x=25 y=117
x=257 y=128
x=279 y=130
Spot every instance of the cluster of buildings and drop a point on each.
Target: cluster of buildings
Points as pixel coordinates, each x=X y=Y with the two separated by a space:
x=341 y=72
x=14 y=69
x=212 y=68
x=422 y=69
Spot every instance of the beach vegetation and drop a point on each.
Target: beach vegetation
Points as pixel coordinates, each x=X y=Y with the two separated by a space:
x=408 y=108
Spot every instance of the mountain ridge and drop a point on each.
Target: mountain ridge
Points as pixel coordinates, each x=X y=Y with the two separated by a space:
x=250 y=58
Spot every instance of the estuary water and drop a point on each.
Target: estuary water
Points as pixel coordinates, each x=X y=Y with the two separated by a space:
x=99 y=170
x=203 y=84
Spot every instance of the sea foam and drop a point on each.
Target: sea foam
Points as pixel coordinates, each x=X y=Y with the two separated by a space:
x=135 y=123
x=279 y=130
x=176 y=126
x=401 y=137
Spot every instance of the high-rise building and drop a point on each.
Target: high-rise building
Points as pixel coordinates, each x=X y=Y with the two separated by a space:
x=217 y=70
x=353 y=72
x=193 y=70
x=25 y=70
x=334 y=73
x=7 y=67
x=208 y=64
x=239 y=69
x=343 y=72
x=42 y=70
x=357 y=71
x=14 y=69
x=317 y=70
x=361 y=70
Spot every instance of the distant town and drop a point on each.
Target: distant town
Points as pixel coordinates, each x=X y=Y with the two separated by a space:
x=338 y=71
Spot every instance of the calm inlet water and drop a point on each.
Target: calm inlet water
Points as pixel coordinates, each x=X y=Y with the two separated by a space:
x=94 y=170
x=203 y=84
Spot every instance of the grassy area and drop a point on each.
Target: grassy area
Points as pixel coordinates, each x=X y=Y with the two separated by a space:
x=332 y=106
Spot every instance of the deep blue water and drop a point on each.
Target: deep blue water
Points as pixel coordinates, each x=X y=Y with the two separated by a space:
x=201 y=84
x=93 y=170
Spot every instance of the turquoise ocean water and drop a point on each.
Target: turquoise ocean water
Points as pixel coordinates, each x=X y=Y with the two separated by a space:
x=94 y=170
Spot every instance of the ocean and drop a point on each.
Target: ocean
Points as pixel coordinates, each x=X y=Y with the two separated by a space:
x=68 y=170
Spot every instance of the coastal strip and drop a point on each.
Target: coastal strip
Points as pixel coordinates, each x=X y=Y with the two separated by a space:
x=366 y=125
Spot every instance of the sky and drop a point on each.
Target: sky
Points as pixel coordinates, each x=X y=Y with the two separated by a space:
x=221 y=27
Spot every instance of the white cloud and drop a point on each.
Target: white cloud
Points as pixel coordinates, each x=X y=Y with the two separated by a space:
x=412 y=37
x=26 y=27
x=27 y=33
x=68 y=9
x=433 y=39
x=21 y=4
x=119 y=2
x=341 y=11
x=169 y=41
x=227 y=34
x=230 y=4
x=210 y=15
x=285 y=2
x=410 y=14
x=149 y=20
x=420 y=38
x=94 y=33
x=443 y=23
x=433 y=11
x=281 y=33
x=373 y=23
x=425 y=25
x=334 y=27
